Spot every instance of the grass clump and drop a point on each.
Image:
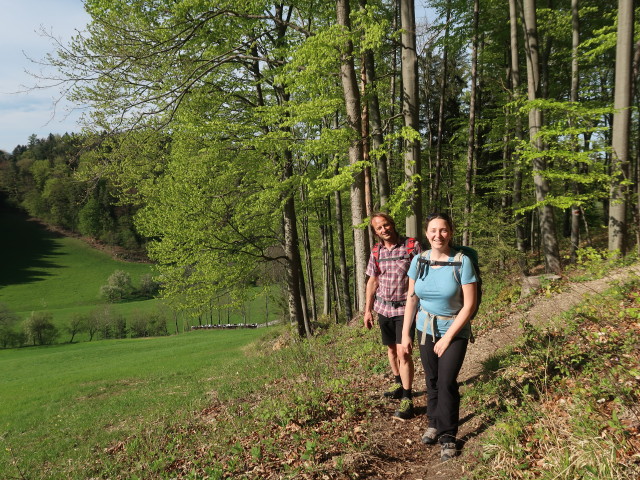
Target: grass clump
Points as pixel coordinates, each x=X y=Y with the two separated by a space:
x=564 y=402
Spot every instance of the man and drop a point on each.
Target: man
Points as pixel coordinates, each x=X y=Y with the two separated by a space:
x=386 y=294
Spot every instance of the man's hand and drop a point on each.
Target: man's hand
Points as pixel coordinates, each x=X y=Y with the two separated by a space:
x=368 y=320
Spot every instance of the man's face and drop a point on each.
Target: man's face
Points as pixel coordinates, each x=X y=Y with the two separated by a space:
x=384 y=229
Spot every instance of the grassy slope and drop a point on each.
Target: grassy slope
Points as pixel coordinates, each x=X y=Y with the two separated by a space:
x=61 y=402
x=42 y=270
x=186 y=407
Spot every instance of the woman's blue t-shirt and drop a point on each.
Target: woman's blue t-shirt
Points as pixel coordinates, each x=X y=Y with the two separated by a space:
x=440 y=294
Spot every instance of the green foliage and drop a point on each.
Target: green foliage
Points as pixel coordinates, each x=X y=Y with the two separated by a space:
x=594 y=263
x=9 y=335
x=149 y=287
x=118 y=287
x=148 y=324
x=557 y=397
x=39 y=329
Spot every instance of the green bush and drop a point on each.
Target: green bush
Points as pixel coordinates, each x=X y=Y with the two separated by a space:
x=8 y=322
x=118 y=287
x=148 y=286
x=148 y=324
x=39 y=328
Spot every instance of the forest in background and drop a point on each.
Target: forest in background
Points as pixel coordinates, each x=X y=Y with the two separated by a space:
x=245 y=144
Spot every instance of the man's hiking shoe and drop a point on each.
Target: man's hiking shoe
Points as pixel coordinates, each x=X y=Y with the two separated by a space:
x=430 y=437
x=395 y=391
x=405 y=410
x=448 y=451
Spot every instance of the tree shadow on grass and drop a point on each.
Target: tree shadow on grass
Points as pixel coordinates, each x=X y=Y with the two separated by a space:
x=27 y=249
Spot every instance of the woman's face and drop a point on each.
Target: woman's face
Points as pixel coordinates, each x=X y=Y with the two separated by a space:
x=438 y=233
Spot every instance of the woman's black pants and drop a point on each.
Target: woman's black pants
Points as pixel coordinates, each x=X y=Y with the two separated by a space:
x=443 y=396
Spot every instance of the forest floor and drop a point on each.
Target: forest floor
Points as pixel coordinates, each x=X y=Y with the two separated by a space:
x=397 y=451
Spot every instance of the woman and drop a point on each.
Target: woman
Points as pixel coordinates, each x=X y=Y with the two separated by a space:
x=445 y=299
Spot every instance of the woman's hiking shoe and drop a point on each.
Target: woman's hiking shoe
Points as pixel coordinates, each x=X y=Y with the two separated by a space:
x=405 y=410
x=430 y=437
x=394 y=391
x=448 y=451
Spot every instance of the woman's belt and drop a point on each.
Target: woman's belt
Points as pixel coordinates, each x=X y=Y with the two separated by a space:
x=432 y=322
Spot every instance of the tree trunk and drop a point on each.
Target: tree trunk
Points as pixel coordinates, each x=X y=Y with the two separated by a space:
x=354 y=120
x=515 y=86
x=375 y=118
x=437 y=177
x=342 y=253
x=471 y=137
x=575 y=84
x=292 y=268
x=304 y=222
x=410 y=106
x=621 y=124
x=636 y=210
x=294 y=264
x=547 y=222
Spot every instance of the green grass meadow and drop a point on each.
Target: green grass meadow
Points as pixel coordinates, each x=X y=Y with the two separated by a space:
x=43 y=270
x=62 y=401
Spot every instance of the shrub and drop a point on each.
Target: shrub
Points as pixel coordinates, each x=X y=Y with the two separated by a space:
x=122 y=280
x=118 y=286
x=148 y=286
x=8 y=321
x=111 y=293
x=148 y=324
x=107 y=324
x=77 y=324
x=40 y=329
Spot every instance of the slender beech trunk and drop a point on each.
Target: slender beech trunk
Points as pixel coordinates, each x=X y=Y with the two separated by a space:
x=342 y=253
x=410 y=109
x=621 y=127
x=517 y=170
x=375 y=119
x=636 y=211
x=575 y=85
x=326 y=273
x=548 y=237
x=324 y=215
x=354 y=120
x=437 y=177
x=304 y=222
x=366 y=148
x=471 y=137
x=293 y=264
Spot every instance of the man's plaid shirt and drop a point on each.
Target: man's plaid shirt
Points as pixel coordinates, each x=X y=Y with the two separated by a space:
x=393 y=281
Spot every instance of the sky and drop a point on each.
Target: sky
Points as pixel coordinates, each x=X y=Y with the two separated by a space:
x=23 y=110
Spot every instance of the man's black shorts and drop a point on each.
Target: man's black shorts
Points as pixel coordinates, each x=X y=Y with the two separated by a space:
x=391 y=329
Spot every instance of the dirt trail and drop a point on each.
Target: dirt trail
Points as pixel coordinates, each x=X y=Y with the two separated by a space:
x=397 y=451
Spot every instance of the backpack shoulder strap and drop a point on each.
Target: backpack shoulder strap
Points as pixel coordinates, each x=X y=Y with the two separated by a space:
x=456 y=268
x=423 y=264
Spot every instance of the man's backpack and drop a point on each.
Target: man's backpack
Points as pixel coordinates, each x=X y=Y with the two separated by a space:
x=423 y=270
x=409 y=243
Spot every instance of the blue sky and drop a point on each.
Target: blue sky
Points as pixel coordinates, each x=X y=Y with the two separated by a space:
x=24 y=112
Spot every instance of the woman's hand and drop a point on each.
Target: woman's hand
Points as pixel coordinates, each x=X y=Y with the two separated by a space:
x=441 y=346
x=406 y=347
